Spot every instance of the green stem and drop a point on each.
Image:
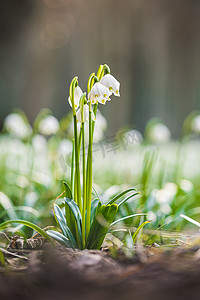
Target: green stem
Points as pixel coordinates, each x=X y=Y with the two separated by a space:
x=84 y=186
x=77 y=184
x=95 y=113
x=89 y=173
x=72 y=169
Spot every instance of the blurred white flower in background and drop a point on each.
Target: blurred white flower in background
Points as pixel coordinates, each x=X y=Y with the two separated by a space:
x=64 y=147
x=39 y=143
x=100 y=127
x=31 y=198
x=133 y=137
x=151 y=215
x=186 y=185
x=16 y=126
x=171 y=187
x=14 y=153
x=165 y=196
x=196 y=124
x=22 y=181
x=159 y=133
x=49 y=125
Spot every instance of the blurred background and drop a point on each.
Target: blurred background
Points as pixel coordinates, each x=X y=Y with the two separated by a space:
x=152 y=47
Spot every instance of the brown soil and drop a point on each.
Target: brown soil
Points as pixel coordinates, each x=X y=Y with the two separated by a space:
x=61 y=273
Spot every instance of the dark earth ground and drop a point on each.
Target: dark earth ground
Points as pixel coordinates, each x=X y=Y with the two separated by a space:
x=61 y=273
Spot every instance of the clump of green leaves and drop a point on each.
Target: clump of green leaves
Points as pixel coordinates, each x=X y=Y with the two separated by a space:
x=70 y=220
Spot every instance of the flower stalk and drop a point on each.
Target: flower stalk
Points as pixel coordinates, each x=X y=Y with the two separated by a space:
x=85 y=109
x=77 y=184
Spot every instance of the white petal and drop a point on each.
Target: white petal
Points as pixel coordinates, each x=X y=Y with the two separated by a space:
x=86 y=112
x=103 y=100
x=70 y=102
x=77 y=95
x=92 y=98
x=78 y=116
x=116 y=93
x=99 y=93
x=93 y=117
x=111 y=83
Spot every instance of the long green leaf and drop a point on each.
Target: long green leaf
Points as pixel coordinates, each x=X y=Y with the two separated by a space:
x=8 y=206
x=59 y=237
x=28 y=224
x=127 y=198
x=120 y=195
x=77 y=215
x=95 y=192
x=63 y=225
x=27 y=209
x=190 y=220
x=2 y=259
x=68 y=192
x=127 y=217
x=94 y=205
x=68 y=213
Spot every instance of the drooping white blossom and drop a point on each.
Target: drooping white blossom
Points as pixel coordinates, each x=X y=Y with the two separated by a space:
x=99 y=93
x=77 y=95
x=111 y=83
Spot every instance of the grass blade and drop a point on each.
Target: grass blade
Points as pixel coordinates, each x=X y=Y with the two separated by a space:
x=120 y=195
x=127 y=198
x=8 y=206
x=28 y=224
x=68 y=193
x=138 y=230
x=190 y=220
x=127 y=217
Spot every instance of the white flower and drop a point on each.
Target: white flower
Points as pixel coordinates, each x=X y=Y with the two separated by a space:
x=196 y=124
x=111 y=83
x=39 y=143
x=100 y=127
x=99 y=93
x=16 y=126
x=160 y=133
x=64 y=147
x=85 y=114
x=48 y=125
x=186 y=185
x=77 y=95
